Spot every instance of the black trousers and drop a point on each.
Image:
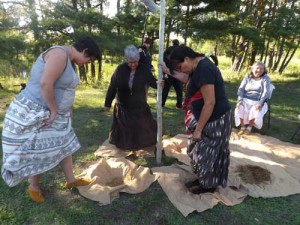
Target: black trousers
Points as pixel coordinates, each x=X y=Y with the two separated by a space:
x=171 y=81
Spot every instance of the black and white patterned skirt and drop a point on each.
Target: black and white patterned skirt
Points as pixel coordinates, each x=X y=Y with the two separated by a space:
x=210 y=155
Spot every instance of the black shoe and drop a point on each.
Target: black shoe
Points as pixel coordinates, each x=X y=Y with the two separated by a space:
x=197 y=189
x=192 y=183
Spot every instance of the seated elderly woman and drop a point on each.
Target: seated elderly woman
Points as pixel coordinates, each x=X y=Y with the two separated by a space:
x=133 y=126
x=252 y=94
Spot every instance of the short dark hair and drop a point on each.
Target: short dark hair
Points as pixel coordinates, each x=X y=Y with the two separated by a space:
x=175 y=42
x=147 y=40
x=179 y=53
x=92 y=49
x=166 y=57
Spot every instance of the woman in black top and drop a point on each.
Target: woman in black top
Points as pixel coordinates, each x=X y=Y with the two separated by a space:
x=133 y=125
x=208 y=118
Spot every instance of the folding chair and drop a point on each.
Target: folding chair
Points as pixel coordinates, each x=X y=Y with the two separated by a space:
x=272 y=87
x=296 y=130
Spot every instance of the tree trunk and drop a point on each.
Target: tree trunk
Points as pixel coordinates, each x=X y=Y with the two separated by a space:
x=118 y=12
x=186 y=28
x=266 y=52
x=82 y=74
x=238 y=59
x=283 y=66
x=243 y=58
x=100 y=67
x=93 y=72
x=280 y=53
x=252 y=57
x=75 y=5
x=88 y=4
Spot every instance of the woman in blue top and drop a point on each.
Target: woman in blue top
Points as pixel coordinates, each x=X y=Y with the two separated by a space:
x=252 y=95
x=208 y=118
x=37 y=130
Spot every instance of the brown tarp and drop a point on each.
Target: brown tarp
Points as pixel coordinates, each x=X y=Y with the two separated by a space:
x=115 y=175
x=272 y=169
x=280 y=160
x=109 y=150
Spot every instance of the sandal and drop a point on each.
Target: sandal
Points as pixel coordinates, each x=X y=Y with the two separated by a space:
x=78 y=182
x=36 y=196
x=241 y=132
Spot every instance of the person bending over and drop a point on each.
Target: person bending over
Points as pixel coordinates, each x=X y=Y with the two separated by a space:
x=37 y=130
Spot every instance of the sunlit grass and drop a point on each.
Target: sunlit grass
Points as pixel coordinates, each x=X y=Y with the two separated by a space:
x=151 y=206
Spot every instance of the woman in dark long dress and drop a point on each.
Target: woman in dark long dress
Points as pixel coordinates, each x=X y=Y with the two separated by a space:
x=208 y=118
x=133 y=125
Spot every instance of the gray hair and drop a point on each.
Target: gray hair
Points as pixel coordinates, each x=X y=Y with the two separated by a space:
x=131 y=52
x=258 y=63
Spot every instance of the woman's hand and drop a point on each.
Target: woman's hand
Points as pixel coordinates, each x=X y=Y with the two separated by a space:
x=258 y=107
x=197 y=135
x=50 y=120
x=161 y=83
x=164 y=68
x=239 y=103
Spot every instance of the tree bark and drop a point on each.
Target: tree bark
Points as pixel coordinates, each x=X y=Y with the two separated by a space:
x=283 y=66
x=280 y=53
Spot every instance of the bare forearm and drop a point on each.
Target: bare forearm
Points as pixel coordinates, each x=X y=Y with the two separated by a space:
x=204 y=116
x=183 y=77
x=48 y=95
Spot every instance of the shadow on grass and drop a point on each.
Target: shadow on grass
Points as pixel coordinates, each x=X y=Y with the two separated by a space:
x=152 y=206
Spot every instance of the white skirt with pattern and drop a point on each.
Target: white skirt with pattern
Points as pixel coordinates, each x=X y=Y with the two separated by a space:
x=28 y=147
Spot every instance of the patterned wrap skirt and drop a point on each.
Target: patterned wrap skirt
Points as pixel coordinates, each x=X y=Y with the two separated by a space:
x=133 y=129
x=29 y=148
x=210 y=156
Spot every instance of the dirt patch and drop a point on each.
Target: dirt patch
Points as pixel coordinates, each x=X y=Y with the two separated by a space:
x=253 y=174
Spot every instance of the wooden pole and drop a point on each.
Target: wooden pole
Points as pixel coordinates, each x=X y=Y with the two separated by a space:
x=152 y=7
x=160 y=77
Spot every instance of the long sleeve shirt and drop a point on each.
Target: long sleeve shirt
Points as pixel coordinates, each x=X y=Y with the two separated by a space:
x=255 y=89
x=129 y=97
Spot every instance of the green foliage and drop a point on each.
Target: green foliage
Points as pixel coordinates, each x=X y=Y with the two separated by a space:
x=227 y=6
x=211 y=29
x=250 y=33
x=261 y=29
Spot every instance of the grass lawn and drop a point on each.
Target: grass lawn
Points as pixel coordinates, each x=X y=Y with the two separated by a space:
x=64 y=207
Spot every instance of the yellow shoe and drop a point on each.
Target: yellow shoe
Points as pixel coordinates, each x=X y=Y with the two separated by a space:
x=247 y=132
x=78 y=182
x=241 y=132
x=36 y=196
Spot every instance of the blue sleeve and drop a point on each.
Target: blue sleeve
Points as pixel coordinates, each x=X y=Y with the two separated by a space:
x=266 y=89
x=241 y=89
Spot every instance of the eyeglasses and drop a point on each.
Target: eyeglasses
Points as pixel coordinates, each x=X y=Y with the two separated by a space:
x=133 y=62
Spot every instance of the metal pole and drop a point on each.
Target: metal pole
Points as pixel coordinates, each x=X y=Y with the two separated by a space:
x=160 y=77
